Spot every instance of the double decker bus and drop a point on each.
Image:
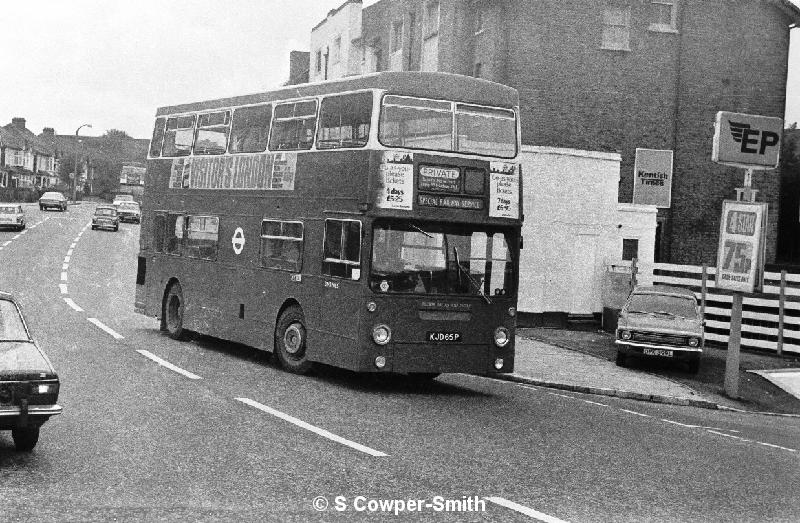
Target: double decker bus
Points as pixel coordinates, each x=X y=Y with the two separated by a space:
x=370 y=223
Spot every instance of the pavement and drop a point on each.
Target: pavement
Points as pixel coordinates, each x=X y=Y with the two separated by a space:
x=562 y=364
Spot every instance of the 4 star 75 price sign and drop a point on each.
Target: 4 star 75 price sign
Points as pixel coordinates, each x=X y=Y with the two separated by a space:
x=740 y=255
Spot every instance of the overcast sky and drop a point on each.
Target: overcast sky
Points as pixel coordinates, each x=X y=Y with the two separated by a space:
x=109 y=63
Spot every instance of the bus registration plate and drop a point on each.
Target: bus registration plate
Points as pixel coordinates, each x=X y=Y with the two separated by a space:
x=443 y=337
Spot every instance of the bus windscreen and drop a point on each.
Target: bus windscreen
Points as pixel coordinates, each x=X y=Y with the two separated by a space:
x=435 y=258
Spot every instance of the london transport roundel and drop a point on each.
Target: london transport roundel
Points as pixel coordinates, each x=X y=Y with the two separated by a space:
x=238 y=240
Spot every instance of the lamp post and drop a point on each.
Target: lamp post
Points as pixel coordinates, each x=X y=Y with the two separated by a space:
x=75 y=178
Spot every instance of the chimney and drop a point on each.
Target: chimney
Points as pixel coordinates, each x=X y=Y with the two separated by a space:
x=49 y=132
x=19 y=123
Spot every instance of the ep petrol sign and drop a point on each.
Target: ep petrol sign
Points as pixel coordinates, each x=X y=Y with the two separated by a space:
x=746 y=140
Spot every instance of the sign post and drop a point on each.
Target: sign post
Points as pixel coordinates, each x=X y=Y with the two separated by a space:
x=751 y=142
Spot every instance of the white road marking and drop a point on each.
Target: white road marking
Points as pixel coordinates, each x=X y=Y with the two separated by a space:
x=775 y=446
x=15 y=237
x=63 y=287
x=595 y=403
x=637 y=413
x=72 y=246
x=106 y=328
x=73 y=304
x=522 y=509
x=170 y=366
x=63 y=276
x=302 y=424
x=6 y=243
x=680 y=424
x=561 y=395
x=69 y=252
x=67 y=258
x=65 y=267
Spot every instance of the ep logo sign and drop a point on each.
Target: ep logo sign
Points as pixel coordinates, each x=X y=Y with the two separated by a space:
x=746 y=140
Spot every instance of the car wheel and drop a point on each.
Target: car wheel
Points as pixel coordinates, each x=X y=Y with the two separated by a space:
x=620 y=359
x=116 y=228
x=25 y=439
x=173 y=313
x=290 y=341
x=94 y=228
x=41 y=207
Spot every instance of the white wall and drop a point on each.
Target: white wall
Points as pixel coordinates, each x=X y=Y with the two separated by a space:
x=573 y=228
x=345 y=24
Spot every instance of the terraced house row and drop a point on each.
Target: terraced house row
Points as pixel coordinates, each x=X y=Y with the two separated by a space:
x=27 y=160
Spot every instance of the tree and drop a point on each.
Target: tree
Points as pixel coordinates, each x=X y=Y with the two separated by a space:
x=116 y=134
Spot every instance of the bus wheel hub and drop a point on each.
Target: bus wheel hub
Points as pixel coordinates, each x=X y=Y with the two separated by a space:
x=293 y=339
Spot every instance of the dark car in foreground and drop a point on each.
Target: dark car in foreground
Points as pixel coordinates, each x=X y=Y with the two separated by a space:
x=52 y=200
x=12 y=215
x=661 y=322
x=105 y=217
x=28 y=384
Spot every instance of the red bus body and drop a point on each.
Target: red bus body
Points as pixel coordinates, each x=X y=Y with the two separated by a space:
x=234 y=286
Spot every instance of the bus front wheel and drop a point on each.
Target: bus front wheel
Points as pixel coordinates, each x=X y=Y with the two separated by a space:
x=290 y=341
x=173 y=312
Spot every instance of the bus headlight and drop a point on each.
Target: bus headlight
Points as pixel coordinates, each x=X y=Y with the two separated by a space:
x=381 y=334
x=501 y=336
x=694 y=342
x=625 y=335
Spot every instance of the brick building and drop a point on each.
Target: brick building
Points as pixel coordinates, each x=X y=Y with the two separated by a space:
x=614 y=76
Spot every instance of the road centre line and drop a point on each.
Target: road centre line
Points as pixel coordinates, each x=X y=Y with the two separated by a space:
x=73 y=245
x=65 y=266
x=168 y=365
x=522 y=509
x=6 y=243
x=63 y=288
x=67 y=258
x=595 y=403
x=69 y=252
x=17 y=236
x=637 y=413
x=64 y=276
x=321 y=432
x=73 y=304
x=104 y=327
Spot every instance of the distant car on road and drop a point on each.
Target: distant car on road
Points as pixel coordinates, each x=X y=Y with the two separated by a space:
x=54 y=200
x=105 y=217
x=12 y=215
x=28 y=384
x=120 y=198
x=129 y=212
x=662 y=322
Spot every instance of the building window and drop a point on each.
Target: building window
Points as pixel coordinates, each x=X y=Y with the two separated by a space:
x=396 y=42
x=342 y=249
x=282 y=245
x=630 y=249
x=616 y=29
x=477 y=70
x=318 y=65
x=664 y=16
x=431 y=20
x=337 y=50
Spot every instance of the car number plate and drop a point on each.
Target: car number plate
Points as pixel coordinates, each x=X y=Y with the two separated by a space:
x=657 y=352
x=443 y=337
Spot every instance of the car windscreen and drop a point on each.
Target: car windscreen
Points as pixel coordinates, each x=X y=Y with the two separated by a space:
x=53 y=196
x=105 y=212
x=129 y=206
x=5 y=209
x=682 y=306
x=11 y=325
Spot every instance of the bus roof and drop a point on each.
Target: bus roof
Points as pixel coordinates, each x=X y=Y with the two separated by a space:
x=446 y=86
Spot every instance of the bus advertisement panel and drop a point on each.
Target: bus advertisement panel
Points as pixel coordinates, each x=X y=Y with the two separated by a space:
x=370 y=223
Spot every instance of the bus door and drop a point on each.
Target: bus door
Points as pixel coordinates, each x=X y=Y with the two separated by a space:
x=340 y=303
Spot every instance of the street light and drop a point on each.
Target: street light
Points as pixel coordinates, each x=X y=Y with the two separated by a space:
x=75 y=178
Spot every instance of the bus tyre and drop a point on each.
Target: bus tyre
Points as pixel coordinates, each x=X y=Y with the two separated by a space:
x=173 y=312
x=25 y=439
x=290 y=341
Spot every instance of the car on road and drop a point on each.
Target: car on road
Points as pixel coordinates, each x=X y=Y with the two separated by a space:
x=12 y=216
x=662 y=322
x=52 y=200
x=105 y=217
x=129 y=212
x=28 y=383
x=120 y=198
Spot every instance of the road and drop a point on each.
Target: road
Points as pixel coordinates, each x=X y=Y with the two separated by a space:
x=160 y=430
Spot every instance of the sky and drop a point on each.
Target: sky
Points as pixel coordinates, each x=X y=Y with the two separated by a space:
x=111 y=64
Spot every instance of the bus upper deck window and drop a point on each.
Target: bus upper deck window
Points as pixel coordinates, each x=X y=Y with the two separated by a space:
x=293 y=126
x=344 y=121
x=486 y=130
x=178 y=136
x=212 y=133
x=158 y=137
x=417 y=123
x=250 y=129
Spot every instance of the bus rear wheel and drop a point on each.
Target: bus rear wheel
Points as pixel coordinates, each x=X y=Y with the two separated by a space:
x=290 y=341
x=173 y=312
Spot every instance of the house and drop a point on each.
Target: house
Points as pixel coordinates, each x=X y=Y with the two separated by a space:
x=335 y=43
x=640 y=78
x=25 y=159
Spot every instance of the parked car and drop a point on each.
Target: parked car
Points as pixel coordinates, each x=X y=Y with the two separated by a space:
x=119 y=198
x=12 y=215
x=129 y=212
x=54 y=200
x=105 y=217
x=28 y=384
x=661 y=322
